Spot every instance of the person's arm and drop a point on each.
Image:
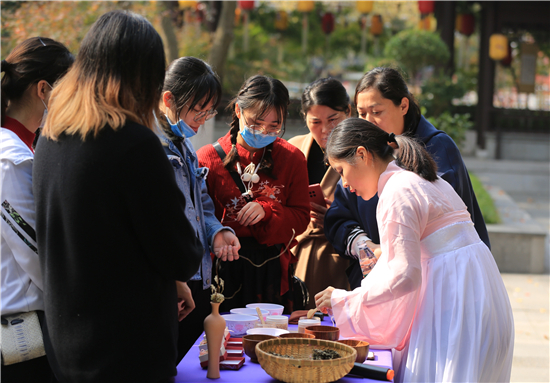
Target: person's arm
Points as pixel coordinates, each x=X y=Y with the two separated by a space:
x=222 y=239
x=382 y=309
x=280 y=220
x=18 y=217
x=343 y=228
x=186 y=303
x=451 y=167
x=157 y=212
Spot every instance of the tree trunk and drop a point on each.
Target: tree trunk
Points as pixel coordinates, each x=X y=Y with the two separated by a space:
x=223 y=38
x=168 y=18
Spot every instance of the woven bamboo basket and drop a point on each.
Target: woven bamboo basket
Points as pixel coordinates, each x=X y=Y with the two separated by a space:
x=301 y=367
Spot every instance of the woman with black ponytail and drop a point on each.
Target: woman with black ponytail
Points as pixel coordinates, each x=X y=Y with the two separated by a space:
x=383 y=98
x=259 y=186
x=30 y=72
x=436 y=295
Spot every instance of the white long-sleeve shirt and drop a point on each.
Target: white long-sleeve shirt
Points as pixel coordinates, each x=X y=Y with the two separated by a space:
x=21 y=277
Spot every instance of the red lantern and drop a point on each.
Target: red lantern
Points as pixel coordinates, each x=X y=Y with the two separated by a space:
x=327 y=23
x=467 y=24
x=246 y=5
x=507 y=61
x=426 y=6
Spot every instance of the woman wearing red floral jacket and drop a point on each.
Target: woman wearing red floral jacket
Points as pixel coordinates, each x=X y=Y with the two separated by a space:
x=260 y=189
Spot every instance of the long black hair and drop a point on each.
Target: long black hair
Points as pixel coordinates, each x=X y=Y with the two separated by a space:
x=392 y=86
x=33 y=60
x=118 y=74
x=191 y=80
x=259 y=94
x=327 y=92
x=354 y=132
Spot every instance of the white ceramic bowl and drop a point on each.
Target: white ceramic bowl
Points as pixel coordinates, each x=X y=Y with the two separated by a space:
x=238 y=324
x=267 y=331
x=271 y=307
x=252 y=312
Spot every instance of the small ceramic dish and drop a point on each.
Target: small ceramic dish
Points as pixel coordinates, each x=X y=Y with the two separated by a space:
x=271 y=307
x=238 y=324
x=267 y=331
x=252 y=312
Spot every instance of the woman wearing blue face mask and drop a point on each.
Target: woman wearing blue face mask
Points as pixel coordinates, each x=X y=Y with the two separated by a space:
x=191 y=93
x=259 y=186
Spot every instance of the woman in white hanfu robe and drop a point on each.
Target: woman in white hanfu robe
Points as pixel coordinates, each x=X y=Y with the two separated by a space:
x=436 y=295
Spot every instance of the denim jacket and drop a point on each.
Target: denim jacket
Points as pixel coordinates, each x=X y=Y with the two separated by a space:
x=199 y=212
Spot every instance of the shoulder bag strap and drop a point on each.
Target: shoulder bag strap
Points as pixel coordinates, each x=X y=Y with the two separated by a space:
x=236 y=177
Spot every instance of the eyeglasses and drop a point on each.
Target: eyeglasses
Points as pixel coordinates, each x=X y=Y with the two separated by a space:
x=207 y=115
x=262 y=128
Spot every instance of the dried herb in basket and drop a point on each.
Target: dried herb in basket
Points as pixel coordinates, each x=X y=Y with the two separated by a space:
x=325 y=354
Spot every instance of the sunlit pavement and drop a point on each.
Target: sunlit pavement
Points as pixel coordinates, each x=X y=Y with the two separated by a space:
x=529 y=296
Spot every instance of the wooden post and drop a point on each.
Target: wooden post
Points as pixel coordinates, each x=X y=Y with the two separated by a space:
x=486 y=75
x=446 y=15
x=304 y=33
x=245 y=31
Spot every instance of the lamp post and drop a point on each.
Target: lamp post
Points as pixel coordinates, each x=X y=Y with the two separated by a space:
x=246 y=6
x=327 y=24
x=376 y=28
x=305 y=7
x=364 y=7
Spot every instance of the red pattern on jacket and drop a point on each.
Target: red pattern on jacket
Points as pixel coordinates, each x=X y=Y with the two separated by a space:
x=285 y=199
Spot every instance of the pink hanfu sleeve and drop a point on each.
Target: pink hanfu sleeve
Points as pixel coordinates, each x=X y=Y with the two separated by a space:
x=382 y=309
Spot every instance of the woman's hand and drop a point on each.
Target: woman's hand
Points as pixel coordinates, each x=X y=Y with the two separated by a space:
x=226 y=246
x=251 y=214
x=317 y=213
x=186 y=304
x=322 y=299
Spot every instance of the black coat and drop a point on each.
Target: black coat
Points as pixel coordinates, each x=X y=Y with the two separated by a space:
x=113 y=239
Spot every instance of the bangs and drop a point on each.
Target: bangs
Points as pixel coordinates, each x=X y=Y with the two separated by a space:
x=207 y=89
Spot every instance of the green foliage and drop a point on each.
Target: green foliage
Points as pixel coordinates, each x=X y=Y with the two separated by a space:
x=455 y=125
x=486 y=204
x=415 y=49
x=542 y=38
x=439 y=91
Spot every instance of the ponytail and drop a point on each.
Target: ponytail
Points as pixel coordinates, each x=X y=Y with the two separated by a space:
x=354 y=132
x=413 y=157
x=33 y=60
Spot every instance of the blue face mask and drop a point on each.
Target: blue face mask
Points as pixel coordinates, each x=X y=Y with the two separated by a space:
x=256 y=140
x=181 y=129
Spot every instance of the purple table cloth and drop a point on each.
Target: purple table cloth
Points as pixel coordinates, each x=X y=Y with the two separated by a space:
x=189 y=369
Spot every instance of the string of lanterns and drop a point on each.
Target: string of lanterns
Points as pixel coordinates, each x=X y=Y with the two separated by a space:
x=499 y=47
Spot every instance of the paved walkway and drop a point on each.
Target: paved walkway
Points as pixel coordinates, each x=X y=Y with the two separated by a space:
x=527 y=184
x=529 y=297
